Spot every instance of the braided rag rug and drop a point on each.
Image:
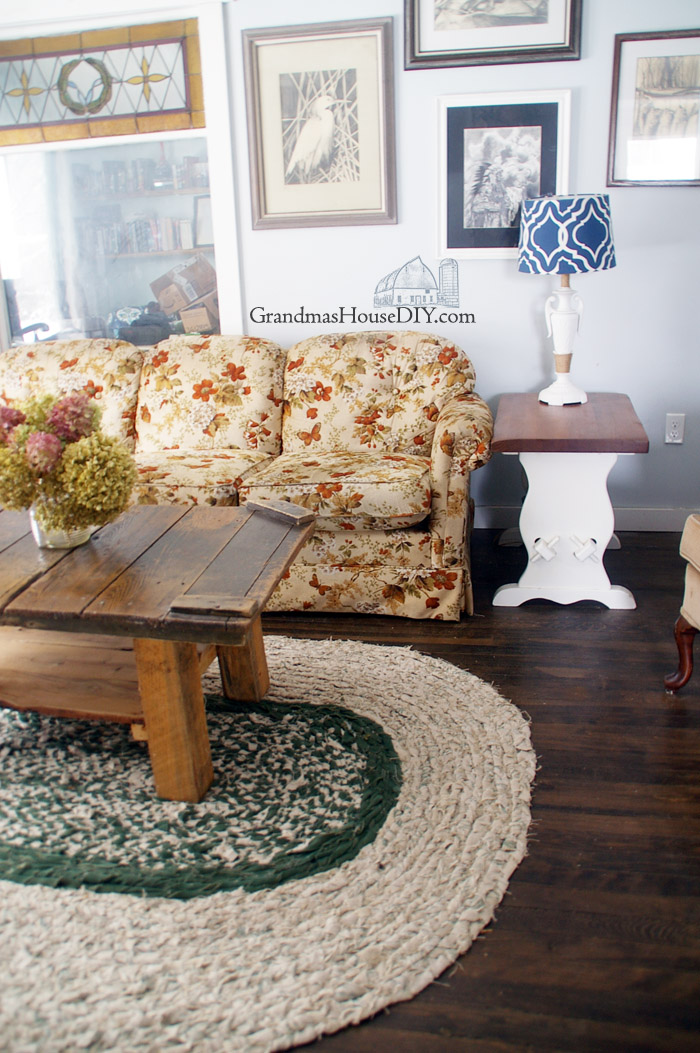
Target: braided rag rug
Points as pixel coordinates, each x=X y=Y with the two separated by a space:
x=364 y=822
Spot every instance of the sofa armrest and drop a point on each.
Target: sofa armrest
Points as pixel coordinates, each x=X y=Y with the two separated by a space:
x=461 y=444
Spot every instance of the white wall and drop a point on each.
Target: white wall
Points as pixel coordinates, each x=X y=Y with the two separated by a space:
x=640 y=328
x=640 y=331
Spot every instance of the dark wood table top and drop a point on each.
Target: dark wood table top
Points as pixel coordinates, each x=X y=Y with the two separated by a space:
x=607 y=423
x=173 y=572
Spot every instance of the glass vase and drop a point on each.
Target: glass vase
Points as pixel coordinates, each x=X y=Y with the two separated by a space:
x=46 y=538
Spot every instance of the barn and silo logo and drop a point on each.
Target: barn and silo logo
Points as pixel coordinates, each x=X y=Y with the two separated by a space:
x=414 y=284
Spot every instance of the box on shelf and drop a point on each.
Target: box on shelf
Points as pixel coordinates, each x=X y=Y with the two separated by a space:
x=203 y=316
x=185 y=284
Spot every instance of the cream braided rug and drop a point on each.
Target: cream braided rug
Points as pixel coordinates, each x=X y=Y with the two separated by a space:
x=364 y=823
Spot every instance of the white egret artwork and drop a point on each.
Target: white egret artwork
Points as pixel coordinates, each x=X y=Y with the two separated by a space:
x=320 y=133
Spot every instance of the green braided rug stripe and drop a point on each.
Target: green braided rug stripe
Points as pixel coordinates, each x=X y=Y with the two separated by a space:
x=423 y=765
x=298 y=790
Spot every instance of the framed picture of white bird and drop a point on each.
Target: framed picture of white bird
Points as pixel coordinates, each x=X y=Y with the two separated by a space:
x=320 y=104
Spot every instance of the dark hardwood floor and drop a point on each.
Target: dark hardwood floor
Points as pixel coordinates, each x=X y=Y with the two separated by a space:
x=596 y=945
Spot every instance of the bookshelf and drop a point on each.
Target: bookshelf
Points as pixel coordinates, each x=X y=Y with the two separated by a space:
x=139 y=206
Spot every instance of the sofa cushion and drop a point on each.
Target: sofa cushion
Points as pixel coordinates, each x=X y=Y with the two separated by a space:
x=193 y=476
x=347 y=490
x=109 y=370
x=218 y=392
x=370 y=391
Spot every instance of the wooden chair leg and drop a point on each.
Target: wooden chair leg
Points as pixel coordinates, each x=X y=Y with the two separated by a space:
x=685 y=634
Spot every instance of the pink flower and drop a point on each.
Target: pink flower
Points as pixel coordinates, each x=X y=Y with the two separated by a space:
x=72 y=417
x=9 y=419
x=43 y=451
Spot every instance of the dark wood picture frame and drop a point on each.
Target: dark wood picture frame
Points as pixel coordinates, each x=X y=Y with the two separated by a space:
x=419 y=55
x=636 y=149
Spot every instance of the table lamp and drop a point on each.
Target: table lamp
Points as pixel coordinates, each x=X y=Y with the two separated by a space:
x=565 y=235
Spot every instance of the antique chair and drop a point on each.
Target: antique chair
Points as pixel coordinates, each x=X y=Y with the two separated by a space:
x=688 y=621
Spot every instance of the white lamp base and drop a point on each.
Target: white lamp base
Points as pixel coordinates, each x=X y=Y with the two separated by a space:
x=563 y=392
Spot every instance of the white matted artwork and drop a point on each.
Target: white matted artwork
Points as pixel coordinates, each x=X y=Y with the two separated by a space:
x=655 y=110
x=320 y=124
x=496 y=150
x=483 y=32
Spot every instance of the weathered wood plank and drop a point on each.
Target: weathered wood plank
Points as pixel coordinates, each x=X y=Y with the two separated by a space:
x=22 y=561
x=176 y=724
x=172 y=564
x=236 y=606
x=13 y=526
x=285 y=510
x=244 y=673
x=253 y=564
x=62 y=675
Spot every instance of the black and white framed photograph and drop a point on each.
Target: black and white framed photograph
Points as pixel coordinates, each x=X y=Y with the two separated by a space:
x=320 y=104
x=484 y=32
x=655 y=110
x=496 y=150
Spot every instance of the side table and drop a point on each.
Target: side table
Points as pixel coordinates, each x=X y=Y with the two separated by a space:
x=567 y=519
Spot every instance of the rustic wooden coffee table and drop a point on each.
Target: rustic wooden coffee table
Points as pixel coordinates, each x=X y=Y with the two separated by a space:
x=185 y=584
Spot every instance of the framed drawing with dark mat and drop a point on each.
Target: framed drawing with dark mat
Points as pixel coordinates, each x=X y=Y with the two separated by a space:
x=496 y=150
x=321 y=123
x=485 y=32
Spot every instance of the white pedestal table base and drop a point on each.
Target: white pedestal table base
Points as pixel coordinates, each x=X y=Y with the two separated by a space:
x=566 y=524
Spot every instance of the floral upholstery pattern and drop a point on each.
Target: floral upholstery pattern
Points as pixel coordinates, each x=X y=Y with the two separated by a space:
x=461 y=443
x=370 y=391
x=373 y=572
x=210 y=410
x=211 y=393
x=109 y=370
x=420 y=593
x=210 y=477
x=348 y=490
x=363 y=412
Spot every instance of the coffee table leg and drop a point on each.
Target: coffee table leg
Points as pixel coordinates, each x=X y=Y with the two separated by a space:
x=176 y=724
x=244 y=672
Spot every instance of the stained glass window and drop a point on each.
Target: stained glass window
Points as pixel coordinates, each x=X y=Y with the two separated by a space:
x=103 y=82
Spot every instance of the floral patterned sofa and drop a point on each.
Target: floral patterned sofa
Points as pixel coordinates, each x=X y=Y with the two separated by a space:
x=377 y=433
x=380 y=434
x=209 y=410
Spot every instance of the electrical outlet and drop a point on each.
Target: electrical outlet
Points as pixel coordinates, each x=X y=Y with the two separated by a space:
x=675 y=426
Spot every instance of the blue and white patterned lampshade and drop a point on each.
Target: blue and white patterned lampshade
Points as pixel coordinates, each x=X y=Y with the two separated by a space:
x=566 y=235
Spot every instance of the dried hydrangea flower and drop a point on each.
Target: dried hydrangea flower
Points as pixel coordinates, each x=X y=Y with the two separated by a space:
x=9 y=419
x=43 y=451
x=72 y=417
